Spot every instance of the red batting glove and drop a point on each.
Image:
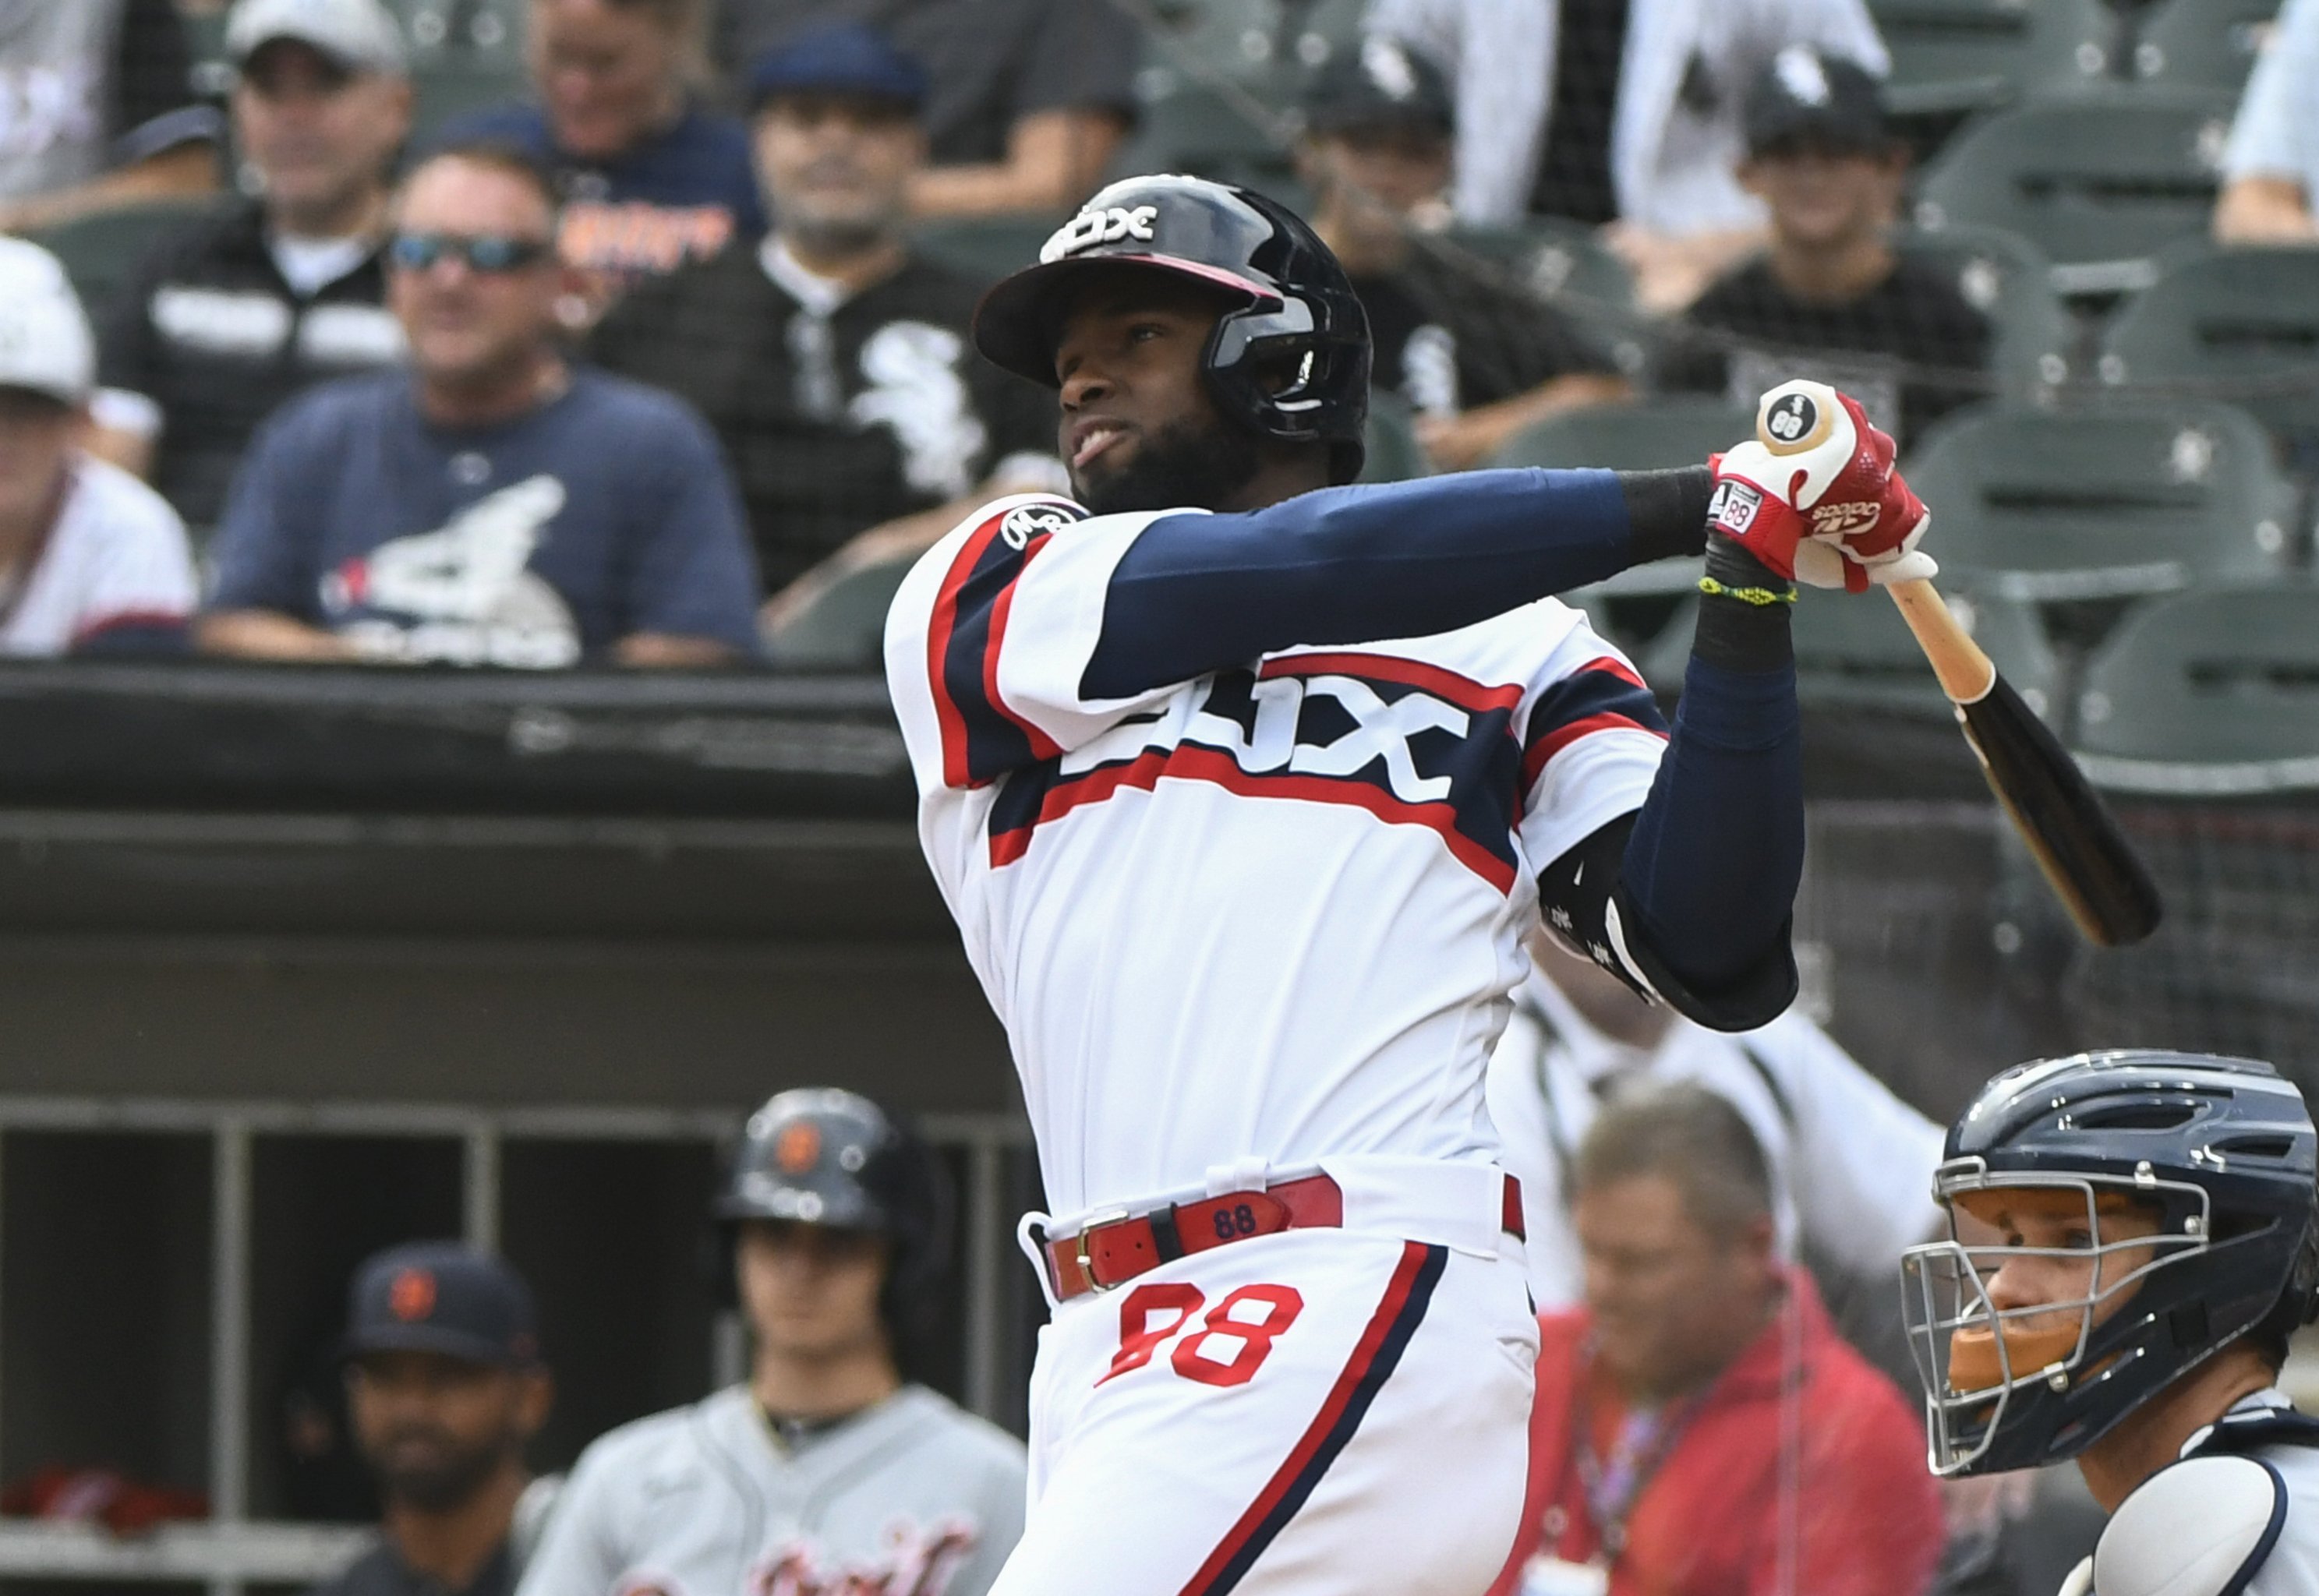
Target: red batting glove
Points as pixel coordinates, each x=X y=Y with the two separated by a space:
x=1814 y=496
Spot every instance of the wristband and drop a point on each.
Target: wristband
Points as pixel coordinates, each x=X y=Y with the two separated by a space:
x=1736 y=631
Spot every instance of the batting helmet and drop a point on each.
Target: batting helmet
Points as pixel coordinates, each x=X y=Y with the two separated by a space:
x=2182 y=1188
x=823 y=1155
x=1297 y=318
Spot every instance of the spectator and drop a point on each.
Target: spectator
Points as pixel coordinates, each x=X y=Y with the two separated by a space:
x=96 y=110
x=831 y=361
x=1476 y=360
x=649 y=178
x=825 y=1472
x=91 y=559
x=2271 y=167
x=1029 y=100
x=240 y=311
x=444 y=1385
x=1831 y=299
x=494 y=506
x=1699 y=1428
x=1565 y=109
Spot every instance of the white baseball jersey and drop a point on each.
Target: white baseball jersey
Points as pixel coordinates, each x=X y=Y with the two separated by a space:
x=913 y=1498
x=1259 y=917
x=1851 y=1164
x=116 y=555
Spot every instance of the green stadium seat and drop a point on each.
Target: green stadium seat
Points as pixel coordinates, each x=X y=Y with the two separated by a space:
x=210 y=75
x=102 y=251
x=492 y=28
x=449 y=84
x=845 y=628
x=1324 y=29
x=2009 y=280
x=1973 y=55
x=1221 y=130
x=2241 y=324
x=984 y=248
x=1394 y=455
x=1205 y=40
x=2201 y=43
x=2100 y=182
x=2214 y=693
x=1566 y=263
x=2105 y=504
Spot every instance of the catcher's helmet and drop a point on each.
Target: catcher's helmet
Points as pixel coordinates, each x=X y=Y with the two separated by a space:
x=2204 y=1172
x=822 y=1156
x=1298 y=316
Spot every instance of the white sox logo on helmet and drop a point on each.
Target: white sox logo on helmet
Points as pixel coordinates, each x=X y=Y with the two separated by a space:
x=1108 y=225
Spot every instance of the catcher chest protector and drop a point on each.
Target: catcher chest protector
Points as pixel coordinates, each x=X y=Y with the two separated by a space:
x=1289 y=361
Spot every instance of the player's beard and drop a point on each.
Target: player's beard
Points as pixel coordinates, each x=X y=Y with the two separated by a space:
x=1189 y=465
x=448 y=1478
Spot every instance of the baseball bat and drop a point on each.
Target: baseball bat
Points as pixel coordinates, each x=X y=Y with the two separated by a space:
x=2070 y=833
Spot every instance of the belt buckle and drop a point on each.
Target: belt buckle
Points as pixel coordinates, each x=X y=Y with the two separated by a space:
x=1081 y=1256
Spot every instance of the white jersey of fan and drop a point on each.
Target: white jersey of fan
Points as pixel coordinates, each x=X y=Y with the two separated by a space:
x=1267 y=917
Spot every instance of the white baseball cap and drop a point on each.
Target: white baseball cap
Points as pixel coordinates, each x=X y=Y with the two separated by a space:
x=358 y=34
x=45 y=343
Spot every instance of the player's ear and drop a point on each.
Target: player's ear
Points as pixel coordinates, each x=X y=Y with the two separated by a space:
x=535 y=1399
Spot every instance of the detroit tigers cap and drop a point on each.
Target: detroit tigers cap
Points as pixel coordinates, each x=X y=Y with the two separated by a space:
x=1382 y=84
x=441 y=1296
x=844 y=59
x=358 y=34
x=45 y=343
x=1806 y=96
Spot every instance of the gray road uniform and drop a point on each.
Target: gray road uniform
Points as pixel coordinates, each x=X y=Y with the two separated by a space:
x=914 y=1497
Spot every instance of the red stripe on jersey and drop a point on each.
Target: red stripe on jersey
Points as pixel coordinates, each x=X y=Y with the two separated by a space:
x=1375 y=1356
x=1191 y=763
x=939 y=627
x=1461 y=690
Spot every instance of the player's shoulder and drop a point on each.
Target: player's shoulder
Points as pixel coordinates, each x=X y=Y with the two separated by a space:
x=674 y=1437
x=940 y=1425
x=2217 y=1523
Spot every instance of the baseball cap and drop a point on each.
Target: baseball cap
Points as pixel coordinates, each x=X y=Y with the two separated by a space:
x=441 y=1296
x=358 y=34
x=844 y=58
x=1381 y=84
x=45 y=343
x=1806 y=96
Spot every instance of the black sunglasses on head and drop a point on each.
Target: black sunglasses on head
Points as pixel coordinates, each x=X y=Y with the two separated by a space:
x=489 y=253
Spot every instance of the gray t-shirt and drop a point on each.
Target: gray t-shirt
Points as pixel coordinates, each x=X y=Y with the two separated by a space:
x=2277 y=131
x=88 y=85
x=914 y=1497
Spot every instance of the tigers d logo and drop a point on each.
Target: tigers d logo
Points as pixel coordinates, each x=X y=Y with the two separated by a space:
x=798 y=1147
x=412 y=1296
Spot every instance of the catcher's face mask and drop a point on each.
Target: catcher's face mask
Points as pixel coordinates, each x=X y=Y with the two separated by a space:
x=2036 y=1265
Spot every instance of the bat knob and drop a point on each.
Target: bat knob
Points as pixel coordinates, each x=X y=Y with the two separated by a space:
x=1797 y=415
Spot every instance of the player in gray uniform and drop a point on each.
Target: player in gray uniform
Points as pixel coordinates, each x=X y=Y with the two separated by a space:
x=2136 y=1237
x=825 y=1473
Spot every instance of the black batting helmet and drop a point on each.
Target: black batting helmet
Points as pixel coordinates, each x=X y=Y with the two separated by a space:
x=1298 y=316
x=2212 y=1165
x=823 y=1156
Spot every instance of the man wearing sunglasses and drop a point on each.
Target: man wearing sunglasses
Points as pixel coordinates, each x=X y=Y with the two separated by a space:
x=241 y=310
x=494 y=506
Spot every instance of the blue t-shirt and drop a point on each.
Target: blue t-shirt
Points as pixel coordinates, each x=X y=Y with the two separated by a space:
x=683 y=195
x=606 y=512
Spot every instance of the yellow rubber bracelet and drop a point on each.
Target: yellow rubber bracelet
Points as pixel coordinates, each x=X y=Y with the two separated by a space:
x=1759 y=597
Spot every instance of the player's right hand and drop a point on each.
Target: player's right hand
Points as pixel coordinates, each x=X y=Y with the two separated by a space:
x=1814 y=495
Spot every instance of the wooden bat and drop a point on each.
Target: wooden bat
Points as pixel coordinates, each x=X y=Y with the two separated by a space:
x=2075 y=839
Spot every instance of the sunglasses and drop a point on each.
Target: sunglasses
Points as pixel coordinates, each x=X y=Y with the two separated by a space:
x=491 y=254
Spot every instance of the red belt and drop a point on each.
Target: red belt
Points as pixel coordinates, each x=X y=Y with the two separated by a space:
x=1113 y=1251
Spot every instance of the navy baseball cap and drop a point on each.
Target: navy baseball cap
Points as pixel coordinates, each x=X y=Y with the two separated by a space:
x=844 y=58
x=441 y=1296
x=1381 y=84
x=1807 y=99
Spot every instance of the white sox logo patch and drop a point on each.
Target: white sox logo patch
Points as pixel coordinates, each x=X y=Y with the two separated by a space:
x=1111 y=225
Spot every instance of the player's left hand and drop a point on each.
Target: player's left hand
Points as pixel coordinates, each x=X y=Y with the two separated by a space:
x=1814 y=495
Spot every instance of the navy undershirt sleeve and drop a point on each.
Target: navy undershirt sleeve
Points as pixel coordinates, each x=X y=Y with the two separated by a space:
x=1199 y=593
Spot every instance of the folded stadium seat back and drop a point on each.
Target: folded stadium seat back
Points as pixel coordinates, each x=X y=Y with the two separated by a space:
x=2101 y=181
x=846 y=629
x=464 y=55
x=2008 y=279
x=2200 y=43
x=1394 y=455
x=102 y=251
x=1231 y=132
x=1975 y=55
x=2199 y=718
x=1205 y=40
x=211 y=74
x=1565 y=264
x=1322 y=29
x=2103 y=505
x=984 y=248
x=2238 y=324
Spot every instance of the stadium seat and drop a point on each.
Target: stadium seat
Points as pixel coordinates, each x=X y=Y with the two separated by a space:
x=449 y=84
x=1972 y=55
x=1855 y=651
x=2214 y=693
x=2241 y=324
x=984 y=248
x=2201 y=43
x=1221 y=130
x=2007 y=279
x=844 y=629
x=2111 y=503
x=2101 y=181
x=102 y=251
x=1322 y=29
x=1205 y=40
x=480 y=27
x=1565 y=262
x=1394 y=455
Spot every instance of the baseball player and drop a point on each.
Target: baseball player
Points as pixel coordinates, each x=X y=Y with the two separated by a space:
x=824 y=1474
x=2135 y=1235
x=1243 y=789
